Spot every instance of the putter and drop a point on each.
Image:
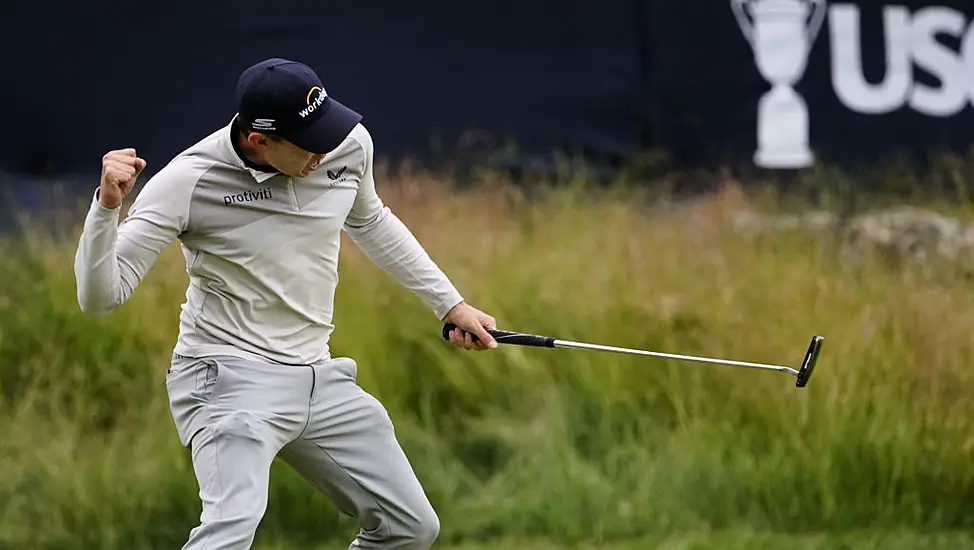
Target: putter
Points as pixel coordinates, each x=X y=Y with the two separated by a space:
x=802 y=375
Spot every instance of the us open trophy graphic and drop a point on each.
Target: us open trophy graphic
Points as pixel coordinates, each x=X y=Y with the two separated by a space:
x=781 y=37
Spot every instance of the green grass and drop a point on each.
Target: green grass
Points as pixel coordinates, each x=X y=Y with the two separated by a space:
x=567 y=448
x=729 y=541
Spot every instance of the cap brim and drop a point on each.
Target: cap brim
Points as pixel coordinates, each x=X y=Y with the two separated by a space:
x=329 y=131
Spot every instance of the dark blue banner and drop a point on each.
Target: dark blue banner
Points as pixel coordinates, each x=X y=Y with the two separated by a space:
x=777 y=84
x=433 y=79
x=784 y=83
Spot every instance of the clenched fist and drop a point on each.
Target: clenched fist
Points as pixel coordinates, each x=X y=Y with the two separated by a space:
x=119 y=170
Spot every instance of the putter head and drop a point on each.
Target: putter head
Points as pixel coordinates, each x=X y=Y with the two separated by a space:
x=808 y=364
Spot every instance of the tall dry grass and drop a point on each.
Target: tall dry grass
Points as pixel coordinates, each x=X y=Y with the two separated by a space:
x=569 y=445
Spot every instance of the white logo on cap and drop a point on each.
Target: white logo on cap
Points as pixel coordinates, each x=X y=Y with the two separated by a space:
x=263 y=124
x=317 y=102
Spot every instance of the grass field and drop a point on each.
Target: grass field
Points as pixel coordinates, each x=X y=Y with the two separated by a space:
x=731 y=541
x=532 y=448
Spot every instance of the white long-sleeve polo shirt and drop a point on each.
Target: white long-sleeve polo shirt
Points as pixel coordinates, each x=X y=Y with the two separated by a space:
x=261 y=248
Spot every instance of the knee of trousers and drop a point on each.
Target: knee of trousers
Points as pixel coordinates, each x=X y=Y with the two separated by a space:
x=235 y=531
x=420 y=529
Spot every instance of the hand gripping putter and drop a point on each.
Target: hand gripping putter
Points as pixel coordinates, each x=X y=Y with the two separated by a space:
x=802 y=375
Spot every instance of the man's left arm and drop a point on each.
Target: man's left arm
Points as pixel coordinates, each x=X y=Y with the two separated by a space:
x=386 y=240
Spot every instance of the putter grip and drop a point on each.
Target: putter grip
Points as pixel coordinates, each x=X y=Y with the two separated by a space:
x=508 y=337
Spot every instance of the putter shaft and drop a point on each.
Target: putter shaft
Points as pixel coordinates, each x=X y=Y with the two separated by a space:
x=599 y=347
x=525 y=339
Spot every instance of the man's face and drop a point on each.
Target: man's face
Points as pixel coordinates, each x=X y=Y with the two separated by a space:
x=286 y=157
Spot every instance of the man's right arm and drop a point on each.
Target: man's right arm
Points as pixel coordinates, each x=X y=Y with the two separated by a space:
x=112 y=258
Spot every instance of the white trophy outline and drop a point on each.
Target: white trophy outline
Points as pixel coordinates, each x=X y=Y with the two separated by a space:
x=782 y=120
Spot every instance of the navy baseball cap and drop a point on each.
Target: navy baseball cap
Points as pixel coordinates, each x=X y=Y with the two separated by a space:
x=286 y=98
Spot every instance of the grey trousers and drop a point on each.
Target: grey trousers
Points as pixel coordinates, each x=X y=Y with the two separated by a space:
x=237 y=415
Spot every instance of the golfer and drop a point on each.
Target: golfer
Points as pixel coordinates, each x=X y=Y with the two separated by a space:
x=258 y=207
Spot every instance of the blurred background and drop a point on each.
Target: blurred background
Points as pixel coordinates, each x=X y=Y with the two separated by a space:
x=722 y=178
